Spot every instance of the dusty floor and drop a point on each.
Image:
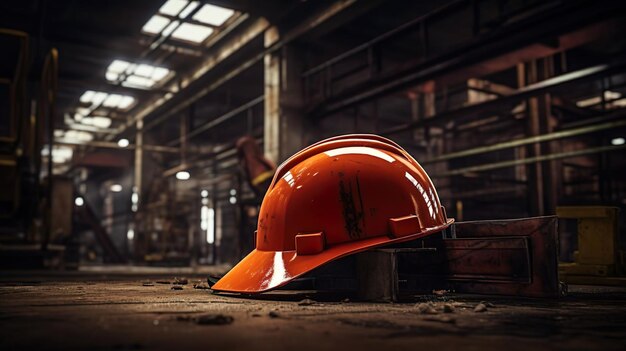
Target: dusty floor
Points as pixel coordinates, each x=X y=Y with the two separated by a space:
x=135 y=311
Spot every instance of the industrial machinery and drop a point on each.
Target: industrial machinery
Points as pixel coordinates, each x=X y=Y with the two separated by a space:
x=26 y=124
x=599 y=260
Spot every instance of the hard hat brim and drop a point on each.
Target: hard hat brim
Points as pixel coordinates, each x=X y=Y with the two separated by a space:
x=261 y=271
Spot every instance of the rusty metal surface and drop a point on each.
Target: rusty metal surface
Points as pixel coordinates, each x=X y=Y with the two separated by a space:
x=503 y=257
x=541 y=235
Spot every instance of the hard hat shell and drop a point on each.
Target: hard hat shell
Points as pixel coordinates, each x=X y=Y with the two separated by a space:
x=337 y=197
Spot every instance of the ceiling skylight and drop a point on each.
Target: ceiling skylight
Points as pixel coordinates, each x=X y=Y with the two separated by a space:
x=170 y=20
x=192 y=32
x=60 y=154
x=213 y=15
x=155 y=24
x=97 y=98
x=136 y=75
x=97 y=121
x=173 y=7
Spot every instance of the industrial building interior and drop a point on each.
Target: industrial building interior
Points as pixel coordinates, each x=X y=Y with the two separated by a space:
x=139 y=139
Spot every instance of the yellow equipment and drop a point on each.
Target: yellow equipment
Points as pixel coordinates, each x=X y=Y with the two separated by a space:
x=598 y=260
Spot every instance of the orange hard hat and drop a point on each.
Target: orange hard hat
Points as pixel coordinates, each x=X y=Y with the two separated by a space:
x=337 y=197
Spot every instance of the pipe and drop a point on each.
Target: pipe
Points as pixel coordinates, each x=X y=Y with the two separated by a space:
x=530 y=140
x=511 y=163
x=223 y=118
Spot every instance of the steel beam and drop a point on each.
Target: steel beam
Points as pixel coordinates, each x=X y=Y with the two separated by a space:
x=462 y=114
x=217 y=121
x=256 y=29
x=112 y=145
x=577 y=24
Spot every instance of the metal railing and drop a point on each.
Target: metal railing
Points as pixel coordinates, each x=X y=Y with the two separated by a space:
x=365 y=62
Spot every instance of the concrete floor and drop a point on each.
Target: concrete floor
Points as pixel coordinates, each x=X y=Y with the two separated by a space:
x=118 y=311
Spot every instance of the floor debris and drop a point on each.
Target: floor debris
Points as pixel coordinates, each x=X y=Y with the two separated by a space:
x=307 y=302
x=112 y=312
x=177 y=287
x=480 y=308
x=426 y=308
x=180 y=281
x=204 y=286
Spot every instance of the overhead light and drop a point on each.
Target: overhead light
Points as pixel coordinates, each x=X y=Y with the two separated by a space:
x=123 y=143
x=118 y=66
x=137 y=81
x=83 y=111
x=232 y=200
x=173 y=7
x=618 y=141
x=116 y=188
x=159 y=73
x=207 y=223
x=144 y=70
x=130 y=234
x=204 y=193
x=143 y=76
x=78 y=136
x=608 y=95
x=101 y=122
x=182 y=175
x=60 y=154
x=126 y=102
x=233 y=192
x=97 y=121
x=112 y=100
x=213 y=15
x=79 y=201
x=155 y=24
x=134 y=200
x=97 y=98
x=192 y=32
x=111 y=76
x=87 y=96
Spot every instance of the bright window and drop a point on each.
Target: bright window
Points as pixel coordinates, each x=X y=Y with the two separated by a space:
x=98 y=98
x=171 y=18
x=134 y=75
x=192 y=32
x=213 y=15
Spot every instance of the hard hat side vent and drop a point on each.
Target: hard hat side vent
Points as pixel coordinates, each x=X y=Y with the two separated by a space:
x=309 y=244
x=403 y=226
